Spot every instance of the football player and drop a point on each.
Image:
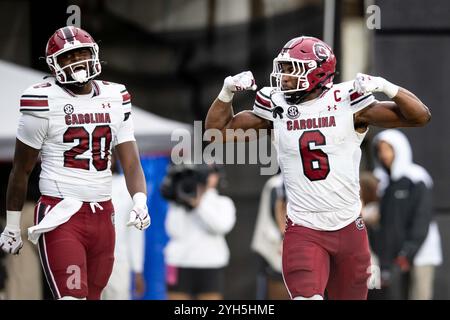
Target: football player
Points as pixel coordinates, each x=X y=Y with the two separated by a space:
x=318 y=128
x=74 y=121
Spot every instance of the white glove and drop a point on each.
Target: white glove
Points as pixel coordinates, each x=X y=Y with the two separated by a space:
x=139 y=216
x=239 y=82
x=10 y=239
x=365 y=83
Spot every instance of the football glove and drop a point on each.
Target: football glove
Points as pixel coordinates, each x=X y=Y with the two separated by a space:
x=139 y=216
x=367 y=84
x=240 y=82
x=11 y=241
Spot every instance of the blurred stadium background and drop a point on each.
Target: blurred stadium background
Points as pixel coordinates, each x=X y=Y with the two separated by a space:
x=173 y=55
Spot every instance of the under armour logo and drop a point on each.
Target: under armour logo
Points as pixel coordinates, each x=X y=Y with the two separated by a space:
x=332 y=108
x=106 y=105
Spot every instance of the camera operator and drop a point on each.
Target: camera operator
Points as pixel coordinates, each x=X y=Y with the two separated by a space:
x=197 y=221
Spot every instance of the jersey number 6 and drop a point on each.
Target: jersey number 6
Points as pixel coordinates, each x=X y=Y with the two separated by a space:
x=315 y=162
x=80 y=133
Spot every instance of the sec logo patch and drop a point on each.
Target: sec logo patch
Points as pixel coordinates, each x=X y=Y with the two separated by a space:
x=359 y=223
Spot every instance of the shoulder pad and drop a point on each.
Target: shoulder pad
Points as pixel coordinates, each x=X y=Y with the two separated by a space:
x=34 y=100
x=263 y=105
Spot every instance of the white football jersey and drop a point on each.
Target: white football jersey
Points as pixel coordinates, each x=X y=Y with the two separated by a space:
x=75 y=134
x=318 y=153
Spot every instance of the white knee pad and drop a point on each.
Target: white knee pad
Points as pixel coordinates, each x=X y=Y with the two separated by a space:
x=71 y=298
x=314 y=297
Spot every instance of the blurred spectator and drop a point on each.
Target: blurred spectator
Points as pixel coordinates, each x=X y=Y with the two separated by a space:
x=129 y=250
x=370 y=201
x=197 y=221
x=24 y=281
x=406 y=223
x=268 y=240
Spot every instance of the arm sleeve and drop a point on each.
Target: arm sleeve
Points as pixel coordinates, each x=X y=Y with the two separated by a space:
x=419 y=221
x=32 y=130
x=217 y=212
x=263 y=105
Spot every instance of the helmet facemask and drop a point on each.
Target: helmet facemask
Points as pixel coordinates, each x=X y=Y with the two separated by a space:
x=69 y=73
x=300 y=70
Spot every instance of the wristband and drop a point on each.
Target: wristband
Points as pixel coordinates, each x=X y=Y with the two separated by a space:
x=225 y=95
x=140 y=199
x=13 y=220
x=390 y=89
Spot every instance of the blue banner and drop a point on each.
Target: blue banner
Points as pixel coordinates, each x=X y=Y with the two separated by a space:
x=156 y=237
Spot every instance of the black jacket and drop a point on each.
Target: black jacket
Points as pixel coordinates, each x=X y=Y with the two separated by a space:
x=405 y=205
x=406 y=213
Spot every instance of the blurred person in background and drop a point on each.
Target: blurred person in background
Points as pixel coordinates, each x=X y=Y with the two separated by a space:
x=318 y=129
x=129 y=250
x=197 y=221
x=369 y=199
x=74 y=122
x=407 y=239
x=268 y=240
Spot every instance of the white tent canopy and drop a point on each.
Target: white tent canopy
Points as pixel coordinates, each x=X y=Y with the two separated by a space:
x=152 y=132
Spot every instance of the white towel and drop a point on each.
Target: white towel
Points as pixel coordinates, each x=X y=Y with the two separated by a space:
x=58 y=215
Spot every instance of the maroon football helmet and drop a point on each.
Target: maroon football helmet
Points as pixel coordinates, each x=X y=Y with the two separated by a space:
x=66 y=39
x=313 y=63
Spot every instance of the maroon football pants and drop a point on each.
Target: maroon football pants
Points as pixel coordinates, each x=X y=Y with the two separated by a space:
x=337 y=262
x=77 y=257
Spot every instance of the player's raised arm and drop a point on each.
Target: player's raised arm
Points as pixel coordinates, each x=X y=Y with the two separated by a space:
x=221 y=115
x=405 y=109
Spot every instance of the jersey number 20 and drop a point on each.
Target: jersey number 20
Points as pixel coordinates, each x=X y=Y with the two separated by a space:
x=315 y=162
x=82 y=135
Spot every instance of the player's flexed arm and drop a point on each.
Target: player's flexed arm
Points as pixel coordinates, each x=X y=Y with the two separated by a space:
x=221 y=115
x=406 y=110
